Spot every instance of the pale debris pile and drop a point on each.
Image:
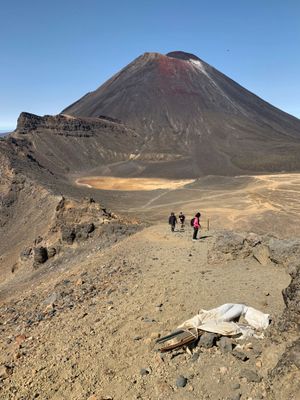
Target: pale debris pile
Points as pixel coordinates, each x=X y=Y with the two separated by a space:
x=222 y=320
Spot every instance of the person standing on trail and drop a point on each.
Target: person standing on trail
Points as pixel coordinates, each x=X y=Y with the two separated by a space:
x=196 y=225
x=172 y=221
x=181 y=219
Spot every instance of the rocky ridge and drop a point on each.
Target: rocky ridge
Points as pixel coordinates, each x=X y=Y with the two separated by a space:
x=67 y=125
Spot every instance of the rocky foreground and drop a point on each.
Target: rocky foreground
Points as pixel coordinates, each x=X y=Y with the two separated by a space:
x=89 y=330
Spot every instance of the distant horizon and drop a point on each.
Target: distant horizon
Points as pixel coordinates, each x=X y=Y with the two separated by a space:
x=59 y=51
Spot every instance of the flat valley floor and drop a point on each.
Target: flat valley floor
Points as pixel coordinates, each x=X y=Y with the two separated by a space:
x=260 y=203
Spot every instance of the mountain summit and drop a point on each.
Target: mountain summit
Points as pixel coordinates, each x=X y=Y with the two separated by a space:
x=190 y=113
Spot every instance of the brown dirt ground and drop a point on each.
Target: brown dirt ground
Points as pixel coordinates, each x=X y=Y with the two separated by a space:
x=145 y=285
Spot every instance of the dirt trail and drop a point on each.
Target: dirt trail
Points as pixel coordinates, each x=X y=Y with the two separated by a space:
x=97 y=342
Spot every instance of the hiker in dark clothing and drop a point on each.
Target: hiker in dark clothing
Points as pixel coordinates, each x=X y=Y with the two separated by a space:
x=181 y=219
x=172 y=221
x=196 y=225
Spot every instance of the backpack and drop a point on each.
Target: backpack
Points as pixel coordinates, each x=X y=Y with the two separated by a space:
x=192 y=221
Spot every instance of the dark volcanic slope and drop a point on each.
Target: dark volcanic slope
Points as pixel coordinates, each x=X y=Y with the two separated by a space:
x=65 y=144
x=36 y=162
x=189 y=112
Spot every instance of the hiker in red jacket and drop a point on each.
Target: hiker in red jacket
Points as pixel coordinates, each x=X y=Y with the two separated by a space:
x=196 y=225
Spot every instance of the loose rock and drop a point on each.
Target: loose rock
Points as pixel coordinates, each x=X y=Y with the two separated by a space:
x=262 y=254
x=225 y=344
x=236 y=396
x=181 y=381
x=51 y=299
x=5 y=371
x=195 y=356
x=240 y=355
x=25 y=253
x=145 y=371
x=51 y=252
x=207 y=340
x=250 y=375
x=235 y=386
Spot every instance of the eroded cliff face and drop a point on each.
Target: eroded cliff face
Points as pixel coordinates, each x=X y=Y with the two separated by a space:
x=63 y=144
x=68 y=125
x=25 y=209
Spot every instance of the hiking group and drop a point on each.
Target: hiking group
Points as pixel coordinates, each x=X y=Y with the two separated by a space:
x=195 y=223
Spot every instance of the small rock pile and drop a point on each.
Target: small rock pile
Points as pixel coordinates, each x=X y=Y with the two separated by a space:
x=266 y=249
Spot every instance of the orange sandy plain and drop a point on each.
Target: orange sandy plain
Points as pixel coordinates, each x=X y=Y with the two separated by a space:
x=131 y=184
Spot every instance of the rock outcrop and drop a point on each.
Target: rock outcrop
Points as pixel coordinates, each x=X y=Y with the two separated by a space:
x=67 y=125
x=284 y=377
x=228 y=245
x=44 y=147
x=73 y=222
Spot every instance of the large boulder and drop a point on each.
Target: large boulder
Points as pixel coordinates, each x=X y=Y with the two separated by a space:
x=285 y=376
x=40 y=255
x=228 y=245
x=68 y=234
x=284 y=251
x=83 y=231
x=261 y=253
x=291 y=297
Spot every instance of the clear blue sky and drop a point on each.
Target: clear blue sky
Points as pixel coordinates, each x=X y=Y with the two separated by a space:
x=53 y=52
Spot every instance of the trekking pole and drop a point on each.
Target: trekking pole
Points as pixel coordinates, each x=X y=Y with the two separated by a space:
x=208 y=224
